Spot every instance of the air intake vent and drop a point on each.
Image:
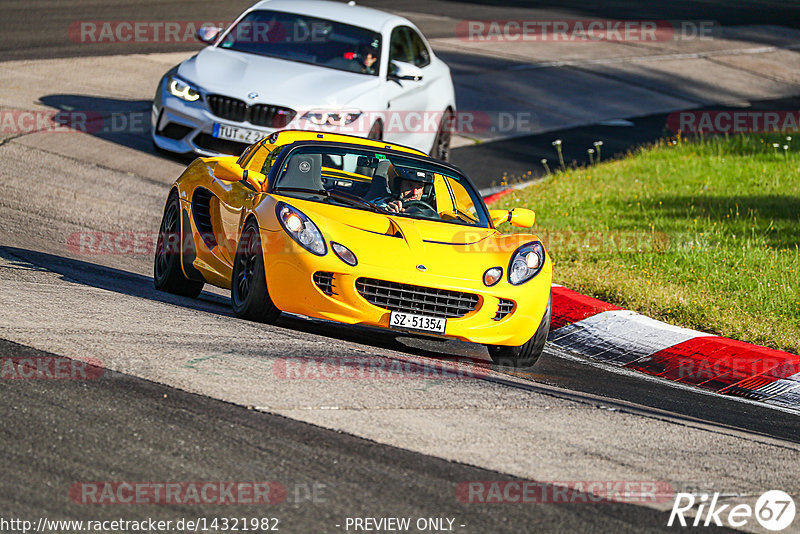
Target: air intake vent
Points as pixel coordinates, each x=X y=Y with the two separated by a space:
x=324 y=281
x=201 y=211
x=416 y=299
x=504 y=308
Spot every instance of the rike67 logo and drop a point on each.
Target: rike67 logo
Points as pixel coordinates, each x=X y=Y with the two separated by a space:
x=774 y=510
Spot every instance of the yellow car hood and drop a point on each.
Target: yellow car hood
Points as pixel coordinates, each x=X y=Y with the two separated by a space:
x=445 y=249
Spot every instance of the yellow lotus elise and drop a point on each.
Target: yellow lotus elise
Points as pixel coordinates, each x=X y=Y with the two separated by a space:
x=359 y=232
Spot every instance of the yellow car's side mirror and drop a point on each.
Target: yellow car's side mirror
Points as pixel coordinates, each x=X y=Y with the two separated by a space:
x=519 y=217
x=227 y=170
x=255 y=179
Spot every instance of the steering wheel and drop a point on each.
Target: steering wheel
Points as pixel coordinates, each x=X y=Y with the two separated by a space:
x=421 y=206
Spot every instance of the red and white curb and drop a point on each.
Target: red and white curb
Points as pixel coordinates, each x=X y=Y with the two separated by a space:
x=604 y=332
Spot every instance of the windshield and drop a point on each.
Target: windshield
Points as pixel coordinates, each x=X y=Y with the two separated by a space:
x=307 y=40
x=381 y=182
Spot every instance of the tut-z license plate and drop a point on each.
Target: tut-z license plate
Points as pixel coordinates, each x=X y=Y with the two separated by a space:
x=232 y=133
x=417 y=322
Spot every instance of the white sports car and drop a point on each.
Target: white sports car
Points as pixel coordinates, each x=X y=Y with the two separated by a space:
x=306 y=64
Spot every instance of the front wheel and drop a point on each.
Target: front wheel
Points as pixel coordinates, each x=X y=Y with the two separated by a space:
x=528 y=353
x=249 y=296
x=167 y=272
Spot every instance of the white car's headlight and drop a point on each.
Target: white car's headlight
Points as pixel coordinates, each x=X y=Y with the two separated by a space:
x=301 y=229
x=526 y=262
x=331 y=118
x=182 y=90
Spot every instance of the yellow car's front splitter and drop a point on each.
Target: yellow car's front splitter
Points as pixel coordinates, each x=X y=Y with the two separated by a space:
x=334 y=295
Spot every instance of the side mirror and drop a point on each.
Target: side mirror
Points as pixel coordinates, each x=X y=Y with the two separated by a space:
x=255 y=179
x=227 y=170
x=208 y=34
x=519 y=217
x=400 y=70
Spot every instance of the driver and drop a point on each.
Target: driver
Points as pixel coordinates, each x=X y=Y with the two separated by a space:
x=410 y=186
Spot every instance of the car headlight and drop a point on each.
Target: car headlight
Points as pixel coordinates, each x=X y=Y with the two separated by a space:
x=492 y=276
x=182 y=90
x=331 y=118
x=344 y=253
x=526 y=262
x=301 y=229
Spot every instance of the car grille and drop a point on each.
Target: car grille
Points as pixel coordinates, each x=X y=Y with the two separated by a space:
x=324 y=281
x=237 y=110
x=175 y=131
x=503 y=309
x=223 y=146
x=416 y=299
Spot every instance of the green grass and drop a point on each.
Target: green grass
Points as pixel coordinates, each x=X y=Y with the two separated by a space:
x=703 y=234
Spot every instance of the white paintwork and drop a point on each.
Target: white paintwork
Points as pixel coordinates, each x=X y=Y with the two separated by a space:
x=304 y=87
x=620 y=336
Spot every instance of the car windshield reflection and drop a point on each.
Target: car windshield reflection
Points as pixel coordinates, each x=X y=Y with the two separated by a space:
x=381 y=182
x=307 y=40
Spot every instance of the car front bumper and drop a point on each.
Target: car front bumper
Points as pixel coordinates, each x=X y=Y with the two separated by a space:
x=290 y=281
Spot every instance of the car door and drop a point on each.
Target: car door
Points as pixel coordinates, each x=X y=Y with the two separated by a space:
x=407 y=119
x=236 y=190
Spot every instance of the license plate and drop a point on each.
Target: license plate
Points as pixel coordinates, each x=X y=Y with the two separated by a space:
x=233 y=133
x=417 y=322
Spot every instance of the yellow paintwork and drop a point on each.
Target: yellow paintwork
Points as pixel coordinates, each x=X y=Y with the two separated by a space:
x=455 y=256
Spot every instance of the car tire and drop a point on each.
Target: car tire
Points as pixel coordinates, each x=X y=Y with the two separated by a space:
x=441 y=143
x=376 y=132
x=249 y=296
x=527 y=354
x=167 y=272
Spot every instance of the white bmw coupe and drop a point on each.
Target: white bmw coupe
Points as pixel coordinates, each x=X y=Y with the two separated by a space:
x=307 y=65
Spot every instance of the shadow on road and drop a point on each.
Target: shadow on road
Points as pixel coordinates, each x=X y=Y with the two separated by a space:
x=136 y=285
x=124 y=122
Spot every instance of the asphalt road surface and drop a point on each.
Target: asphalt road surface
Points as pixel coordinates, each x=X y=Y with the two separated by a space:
x=190 y=393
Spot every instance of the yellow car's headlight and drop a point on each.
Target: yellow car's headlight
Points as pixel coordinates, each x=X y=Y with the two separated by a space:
x=301 y=229
x=526 y=262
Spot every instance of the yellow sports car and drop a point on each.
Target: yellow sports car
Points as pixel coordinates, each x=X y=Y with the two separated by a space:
x=360 y=232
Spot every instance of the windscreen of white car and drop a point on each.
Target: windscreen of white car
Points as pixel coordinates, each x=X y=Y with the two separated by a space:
x=381 y=182
x=306 y=39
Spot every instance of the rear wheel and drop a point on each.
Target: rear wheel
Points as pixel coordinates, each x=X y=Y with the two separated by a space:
x=249 y=296
x=441 y=144
x=527 y=354
x=167 y=272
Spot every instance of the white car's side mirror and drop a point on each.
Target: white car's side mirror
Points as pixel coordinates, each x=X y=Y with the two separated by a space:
x=208 y=34
x=400 y=70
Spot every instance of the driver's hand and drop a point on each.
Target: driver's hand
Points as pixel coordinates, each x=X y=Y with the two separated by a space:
x=395 y=206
